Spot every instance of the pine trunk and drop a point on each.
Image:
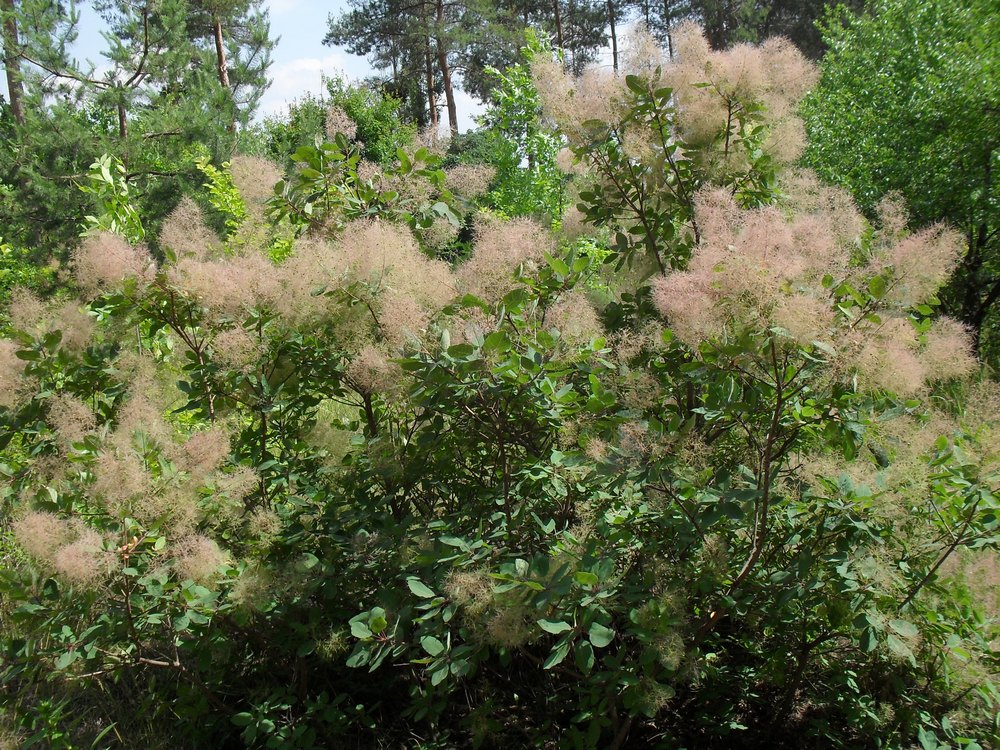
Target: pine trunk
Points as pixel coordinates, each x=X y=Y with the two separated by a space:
x=614 y=35
x=431 y=100
x=667 y=15
x=220 y=53
x=442 y=52
x=12 y=62
x=122 y=121
x=559 y=34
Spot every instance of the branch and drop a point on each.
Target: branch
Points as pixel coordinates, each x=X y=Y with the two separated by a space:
x=947 y=553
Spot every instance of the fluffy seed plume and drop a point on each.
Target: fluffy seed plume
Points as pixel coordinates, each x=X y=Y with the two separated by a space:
x=197 y=557
x=575 y=318
x=500 y=247
x=40 y=534
x=71 y=418
x=142 y=414
x=469 y=180
x=27 y=311
x=890 y=365
x=255 y=178
x=922 y=263
x=690 y=304
x=313 y=266
x=401 y=318
x=236 y=348
x=338 y=121
x=186 y=233
x=371 y=371
x=228 y=287
x=104 y=260
x=641 y=53
x=238 y=484
x=755 y=268
x=409 y=285
x=83 y=561
x=439 y=234
x=205 y=451
x=11 y=372
x=569 y=101
x=806 y=318
x=30 y=314
x=120 y=481
x=948 y=351
x=76 y=325
x=774 y=74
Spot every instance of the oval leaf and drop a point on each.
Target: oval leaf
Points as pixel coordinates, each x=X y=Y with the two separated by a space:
x=600 y=635
x=554 y=626
x=418 y=588
x=431 y=645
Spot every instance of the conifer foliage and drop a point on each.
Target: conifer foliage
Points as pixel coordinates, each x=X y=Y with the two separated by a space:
x=695 y=464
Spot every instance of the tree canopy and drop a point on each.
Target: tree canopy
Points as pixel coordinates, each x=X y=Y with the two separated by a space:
x=908 y=104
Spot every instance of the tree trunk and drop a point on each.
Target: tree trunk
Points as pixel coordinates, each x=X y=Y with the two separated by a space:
x=222 y=69
x=431 y=100
x=667 y=15
x=220 y=53
x=12 y=62
x=122 y=121
x=614 y=36
x=559 y=34
x=442 y=52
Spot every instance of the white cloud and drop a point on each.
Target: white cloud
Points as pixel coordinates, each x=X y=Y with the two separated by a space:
x=293 y=79
x=290 y=80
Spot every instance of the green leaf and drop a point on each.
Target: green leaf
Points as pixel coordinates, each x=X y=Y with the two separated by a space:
x=600 y=635
x=66 y=658
x=928 y=740
x=877 y=287
x=554 y=626
x=419 y=588
x=242 y=719
x=51 y=340
x=904 y=628
x=585 y=578
x=868 y=640
x=307 y=561
x=635 y=84
x=432 y=645
x=584 y=654
x=558 y=265
x=454 y=541
x=357 y=659
x=559 y=652
x=360 y=629
x=900 y=649
x=439 y=675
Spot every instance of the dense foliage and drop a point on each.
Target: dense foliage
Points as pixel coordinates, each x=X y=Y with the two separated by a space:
x=908 y=105
x=372 y=451
x=425 y=50
x=175 y=80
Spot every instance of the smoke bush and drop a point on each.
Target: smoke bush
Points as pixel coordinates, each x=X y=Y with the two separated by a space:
x=738 y=496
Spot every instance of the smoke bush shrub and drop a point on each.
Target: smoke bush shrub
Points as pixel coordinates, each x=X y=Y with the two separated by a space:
x=356 y=494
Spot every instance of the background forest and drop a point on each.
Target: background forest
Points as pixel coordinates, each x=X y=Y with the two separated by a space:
x=659 y=410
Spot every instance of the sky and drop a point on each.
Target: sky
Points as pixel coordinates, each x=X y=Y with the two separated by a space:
x=299 y=61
